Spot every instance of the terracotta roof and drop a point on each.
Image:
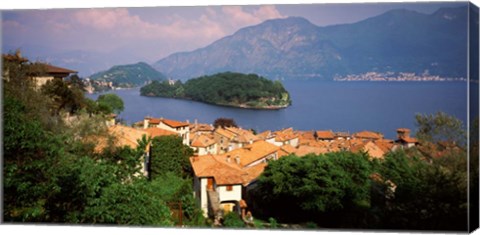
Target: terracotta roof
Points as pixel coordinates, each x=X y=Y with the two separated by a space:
x=265 y=135
x=328 y=135
x=202 y=141
x=222 y=172
x=403 y=130
x=201 y=127
x=288 y=148
x=155 y=131
x=242 y=135
x=371 y=148
x=253 y=152
x=285 y=134
x=173 y=123
x=154 y=121
x=168 y=122
x=407 y=139
x=124 y=136
x=305 y=149
x=54 y=69
x=252 y=173
x=342 y=134
x=225 y=133
x=305 y=135
x=384 y=144
x=368 y=135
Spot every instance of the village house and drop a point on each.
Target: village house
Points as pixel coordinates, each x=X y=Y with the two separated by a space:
x=200 y=128
x=286 y=136
x=220 y=181
x=268 y=136
x=328 y=136
x=368 y=135
x=369 y=147
x=342 y=136
x=217 y=185
x=44 y=72
x=51 y=72
x=156 y=132
x=223 y=139
x=404 y=140
x=203 y=144
x=181 y=128
x=230 y=138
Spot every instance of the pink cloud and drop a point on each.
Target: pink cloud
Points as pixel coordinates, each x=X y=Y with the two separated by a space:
x=238 y=17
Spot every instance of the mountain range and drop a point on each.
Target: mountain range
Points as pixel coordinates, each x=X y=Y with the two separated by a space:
x=294 y=48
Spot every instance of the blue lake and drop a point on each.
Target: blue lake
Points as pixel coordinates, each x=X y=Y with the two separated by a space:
x=337 y=106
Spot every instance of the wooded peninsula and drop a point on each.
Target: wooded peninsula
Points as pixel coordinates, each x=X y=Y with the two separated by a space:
x=227 y=89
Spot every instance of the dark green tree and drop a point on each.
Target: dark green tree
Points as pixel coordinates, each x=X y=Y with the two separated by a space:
x=314 y=187
x=233 y=220
x=169 y=154
x=224 y=122
x=440 y=127
x=426 y=196
x=110 y=102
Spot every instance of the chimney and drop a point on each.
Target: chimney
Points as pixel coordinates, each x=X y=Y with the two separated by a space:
x=228 y=158
x=237 y=160
x=403 y=132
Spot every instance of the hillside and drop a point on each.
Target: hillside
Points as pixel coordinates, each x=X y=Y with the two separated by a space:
x=228 y=89
x=294 y=48
x=127 y=76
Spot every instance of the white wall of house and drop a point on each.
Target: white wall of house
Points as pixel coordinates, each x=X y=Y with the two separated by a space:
x=294 y=142
x=200 y=187
x=234 y=195
x=212 y=149
x=40 y=81
x=184 y=132
x=271 y=140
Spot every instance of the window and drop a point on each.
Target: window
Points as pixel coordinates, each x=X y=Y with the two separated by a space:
x=229 y=188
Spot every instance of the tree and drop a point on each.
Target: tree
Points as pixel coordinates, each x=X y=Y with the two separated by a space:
x=169 y=154
x=137 y=203
x=440 y=127
x=111 y=102
x=427 y=196
x=64 y=97
x=233 y=220
x=224 y=122
x=313 y=186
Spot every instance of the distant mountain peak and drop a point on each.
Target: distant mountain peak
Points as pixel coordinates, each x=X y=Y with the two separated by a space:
x=399 y=40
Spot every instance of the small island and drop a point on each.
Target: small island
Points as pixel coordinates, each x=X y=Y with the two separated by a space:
x=227 y=89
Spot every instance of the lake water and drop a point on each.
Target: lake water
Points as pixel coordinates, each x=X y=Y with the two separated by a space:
x=337 y=106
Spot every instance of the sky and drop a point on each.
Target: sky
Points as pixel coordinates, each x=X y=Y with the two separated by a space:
x=152 y=33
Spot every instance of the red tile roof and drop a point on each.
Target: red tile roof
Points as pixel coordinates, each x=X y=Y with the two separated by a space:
x=285 y=134
x=54 y=69
x=173 y=123
x=252 y=152
x=202 y=141
x=327 y=135
x=407 y=139
x=155 y=131
x=222 y=172
x=368 y=135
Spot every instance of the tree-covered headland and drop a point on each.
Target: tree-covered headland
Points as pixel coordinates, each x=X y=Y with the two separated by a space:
x=229 y=89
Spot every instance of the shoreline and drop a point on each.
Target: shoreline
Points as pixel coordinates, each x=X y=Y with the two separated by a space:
x=276 y=107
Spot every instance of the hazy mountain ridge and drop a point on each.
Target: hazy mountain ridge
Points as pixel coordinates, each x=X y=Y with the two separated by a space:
x=130 y=75
x=396 y=41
